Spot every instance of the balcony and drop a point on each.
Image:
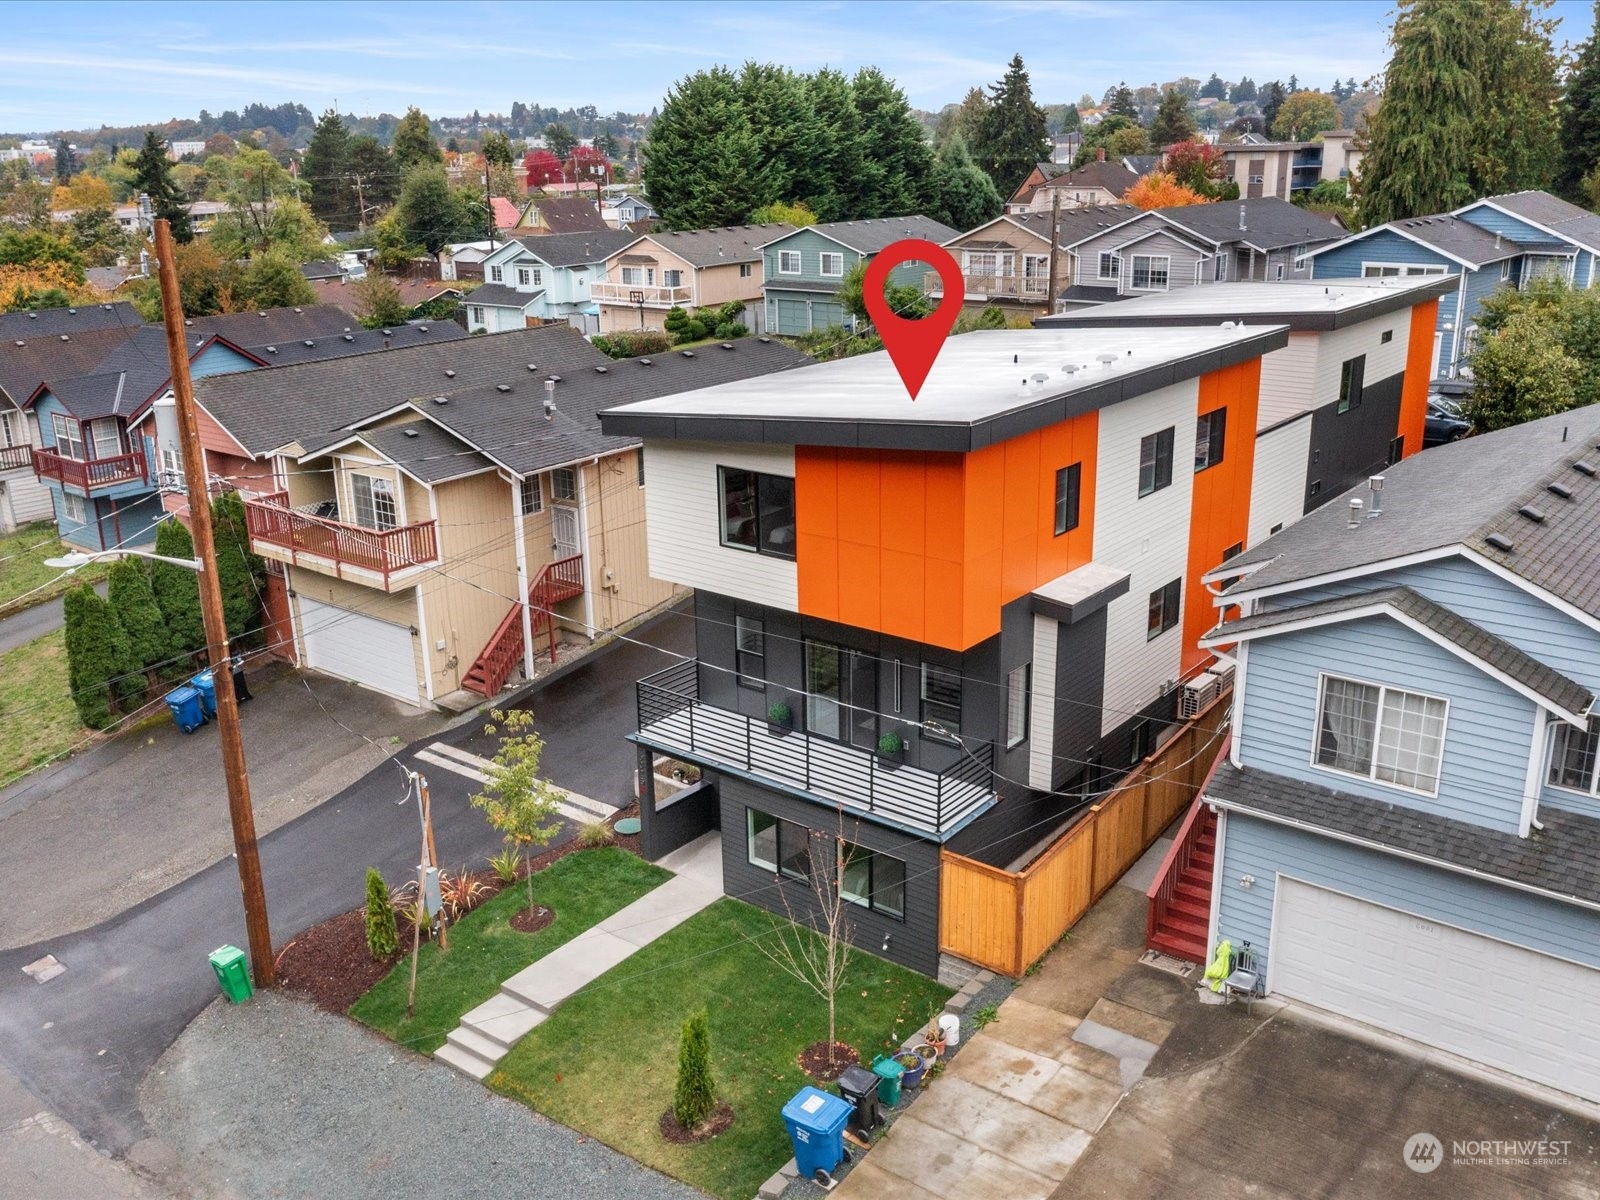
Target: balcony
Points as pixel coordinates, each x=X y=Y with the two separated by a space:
x=88 y=475
x=634 y=295
x=335 y=547
x=672 y=718
x=996 y=287
x=13 y=458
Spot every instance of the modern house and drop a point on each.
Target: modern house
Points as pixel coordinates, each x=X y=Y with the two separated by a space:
x=697 y=268
x=1509 y=240
x=1343 y=400
x=1006 y=262
x=1407 y=828
x=561 y=214
x=532 y=279
x=1284 y=169
x=1194 y=244
x=435 y=513
x=940 y=625
x=803 y=268
x=1096 y=182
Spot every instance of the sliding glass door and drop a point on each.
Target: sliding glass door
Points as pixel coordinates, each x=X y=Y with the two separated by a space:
x=842 y=694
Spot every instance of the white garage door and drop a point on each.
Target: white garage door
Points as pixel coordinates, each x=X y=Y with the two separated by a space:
x=1498 y=1004
x=352 y=645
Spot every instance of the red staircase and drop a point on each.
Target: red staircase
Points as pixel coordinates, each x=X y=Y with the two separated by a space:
x=1180 y=898
x=555 y=582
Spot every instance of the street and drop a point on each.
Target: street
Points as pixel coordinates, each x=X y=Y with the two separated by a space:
x=83 y=1041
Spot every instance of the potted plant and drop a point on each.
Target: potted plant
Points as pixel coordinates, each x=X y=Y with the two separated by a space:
x=927 y=1054
x=914 y=1067
x=890 y=747
x=934 y=1039
x=780 y=720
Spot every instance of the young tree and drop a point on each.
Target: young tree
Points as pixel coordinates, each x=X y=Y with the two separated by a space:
x=1173 y=122
x=1580 y=118
x=1160 y=190
x=1304 y=115
x=1197 y=166
x=1520 y=373
x=65 y=165
x=129 y=594
x=962 y=194
x=98 y=658
x=273 y=280
x=414 y=143
x=695 y=1097
x=177 y=591
x=1270 y=99
x=904 y=299
x=378 y=301
x=1012 y=138
x=559 y=139
x=153 y=177
x=431 y=212
x=516 y=801
x=383 y=935
x=327 y=168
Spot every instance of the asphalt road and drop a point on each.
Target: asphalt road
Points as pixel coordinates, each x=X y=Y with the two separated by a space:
x=21 y=628
x=83 y=1041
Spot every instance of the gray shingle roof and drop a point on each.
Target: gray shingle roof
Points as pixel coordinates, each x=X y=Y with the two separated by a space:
x=500 y=296
x=576 y=249
x=1460 y=238
x=1270 y=223
x=1470 y=638
x=356 y=341
x=570 y=214
x=1112 y=176
x=276 y=324
x=322 y=268
x=426 y=451
x=1562 y=859
x=731 y=244
x=268 y=409
x=1579 y=224
x=48 y=322
x=1458 y=495
x=870 y=236
x=1076 y=224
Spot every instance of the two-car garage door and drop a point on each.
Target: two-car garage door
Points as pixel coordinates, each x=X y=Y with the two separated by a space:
x=352 y=645
x=1502 y=1005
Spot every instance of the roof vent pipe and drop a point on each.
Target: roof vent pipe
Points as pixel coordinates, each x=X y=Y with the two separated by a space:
x=1355 y=513
x=1375 y=482
x=1241 y=217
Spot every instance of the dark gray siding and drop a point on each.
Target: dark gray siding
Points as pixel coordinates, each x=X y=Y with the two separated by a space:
x=1080 y=687
x=1348 y=447
x=686 y=816
x=913 y=942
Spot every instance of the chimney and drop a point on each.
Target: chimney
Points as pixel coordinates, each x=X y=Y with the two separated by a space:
x=1241 y=218
x=1100 y=154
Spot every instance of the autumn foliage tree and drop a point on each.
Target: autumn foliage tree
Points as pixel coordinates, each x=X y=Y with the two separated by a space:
x=542 y=167
x=1197 y=166
x=1160 y=190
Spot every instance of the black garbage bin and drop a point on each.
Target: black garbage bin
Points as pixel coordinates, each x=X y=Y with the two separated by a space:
x=241 y=690
x=860 y=1087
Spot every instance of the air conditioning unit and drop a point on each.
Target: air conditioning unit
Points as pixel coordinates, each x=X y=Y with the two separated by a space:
x=1224 y=673
x=1197 y=693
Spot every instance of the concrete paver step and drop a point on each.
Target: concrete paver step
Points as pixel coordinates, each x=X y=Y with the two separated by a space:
x=504 y=1019
x=467 y=1064
x=464 y=1037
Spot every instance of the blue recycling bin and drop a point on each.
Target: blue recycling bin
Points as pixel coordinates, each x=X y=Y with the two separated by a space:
x=815 y=1121
x=205 y=683
x=187 y=708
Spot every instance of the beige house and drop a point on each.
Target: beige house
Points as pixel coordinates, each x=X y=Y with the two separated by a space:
x=440 y=513
x=1096 y=182
x=1007 y=261
x=1283 y=169
x=692 y=269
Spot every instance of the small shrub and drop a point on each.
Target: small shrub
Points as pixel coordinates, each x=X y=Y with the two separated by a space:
x=631 y=343
x=891 y=743
x=383 y=938
x=778 y=714
x=460 y=894
x=505 y=864
x=729 y=330
x=594 y=834
x=987 y=1015
x=695 y=1095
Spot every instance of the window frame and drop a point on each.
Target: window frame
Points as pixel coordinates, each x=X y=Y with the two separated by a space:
x=68 y=433
x=1158 y=480
x=106 y=425
x=1069 y=495
x=926 y=705
x=746 y=270
x=1215 y=439
x=759 y=516
x=496 y=274
x=1371 y=775
x=750 y=666
x=825 y=257
x=563 y=494
x=672 y=277
x=640 y=453
x=870 y=899
x=1019 y=686
x=1150 y=273
x=68 y=499
x=1115 y=260
x=1352 y=382
x=532 y=489
x=524 y=277
x=778 y=824
x=1171 y=611
x=1565 y=732
x=1220 y=271
x=799 y=262
x=378 y=486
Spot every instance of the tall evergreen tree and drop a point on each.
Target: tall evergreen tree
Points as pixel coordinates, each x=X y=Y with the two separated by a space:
x=66 y=167
x=240 y=574
x=1173 y=122
x=700 y=160
x=177 y=591
x=152 y=176
x=98 y=659
x=414 y=142
x=961 y=194
x=128 y=592
x=1580 y=117
x=326 y=168
x=778 y=106
x=840 y=162
x=892 y=141
x=560 y=139
x=1013 y=136
x=1123 y=103
x=1242 y=91
x=1469 y=108
x=372 y=168
x=1270 y=99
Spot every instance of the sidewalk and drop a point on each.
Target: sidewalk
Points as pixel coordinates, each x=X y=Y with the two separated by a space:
x=487 y=1033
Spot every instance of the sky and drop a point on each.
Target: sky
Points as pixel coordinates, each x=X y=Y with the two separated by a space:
x=80 y=65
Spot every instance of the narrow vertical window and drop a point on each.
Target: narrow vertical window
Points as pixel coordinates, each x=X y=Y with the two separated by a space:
x=1017 y=706
x=1067 y=481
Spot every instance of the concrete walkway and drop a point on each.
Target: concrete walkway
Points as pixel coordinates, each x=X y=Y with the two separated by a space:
x=487 y=1033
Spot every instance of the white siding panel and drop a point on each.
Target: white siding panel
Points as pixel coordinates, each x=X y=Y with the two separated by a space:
x=1383 y=358
x=1288 y=381
x=1041 y=748
x=682 y=517
x=1147 y=537
x=1278 y=489
x=29 y=500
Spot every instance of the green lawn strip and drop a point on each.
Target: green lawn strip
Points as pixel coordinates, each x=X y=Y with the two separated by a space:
x=37 y=717
x=606 y=1061
x=22 y=569
x=583 y=888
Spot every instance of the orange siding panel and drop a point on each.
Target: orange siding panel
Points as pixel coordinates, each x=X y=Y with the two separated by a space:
x=859 y=574
x=905 y=590
x=1419 y=365
x=902 y=500
x=860 y=512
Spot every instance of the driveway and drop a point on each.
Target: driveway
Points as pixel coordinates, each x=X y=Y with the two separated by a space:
x=20 y=628
x=83 y=1041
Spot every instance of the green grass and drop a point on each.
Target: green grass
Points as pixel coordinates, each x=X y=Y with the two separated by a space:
x=37 y=718
x=22 y=569
x=583 y=889
x=606 y=1060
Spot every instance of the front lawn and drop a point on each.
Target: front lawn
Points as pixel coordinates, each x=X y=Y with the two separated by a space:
x=606 y=1060
x=37 y=719
x=582 y=889
x=22 y=569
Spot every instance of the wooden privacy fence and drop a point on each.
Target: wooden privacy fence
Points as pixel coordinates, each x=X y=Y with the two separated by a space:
x=1005 y=920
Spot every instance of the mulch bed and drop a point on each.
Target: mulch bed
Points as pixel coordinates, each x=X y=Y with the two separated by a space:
x=531 y=920
x=718 y=1122
x=813 y=1060
x=330 y=964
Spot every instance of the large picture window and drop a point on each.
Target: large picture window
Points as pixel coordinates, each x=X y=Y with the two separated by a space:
x=1151 y=272
x=941 y=701
x=1381 y=733
x=1573 y=756
x=776 y=845
x=757 y=511
x=1155 y=462
x=374 y=502
x=872 y=880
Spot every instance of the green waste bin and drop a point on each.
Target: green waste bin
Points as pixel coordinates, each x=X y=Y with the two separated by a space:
x=888 y=1072
x=233 y=973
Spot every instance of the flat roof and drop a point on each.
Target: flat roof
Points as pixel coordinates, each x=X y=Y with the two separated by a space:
x=1303 y=305
x=987 y=386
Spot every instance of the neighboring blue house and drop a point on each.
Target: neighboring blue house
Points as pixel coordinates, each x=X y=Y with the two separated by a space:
x=803 y=268
x=1409 y=829
x=541 y=277
x=1508 y=240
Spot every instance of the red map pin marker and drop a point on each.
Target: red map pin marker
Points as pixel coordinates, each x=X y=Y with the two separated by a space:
x=913 y=345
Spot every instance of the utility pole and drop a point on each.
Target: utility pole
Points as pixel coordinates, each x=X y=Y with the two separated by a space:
x=1055 y=242
x=233 y=766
